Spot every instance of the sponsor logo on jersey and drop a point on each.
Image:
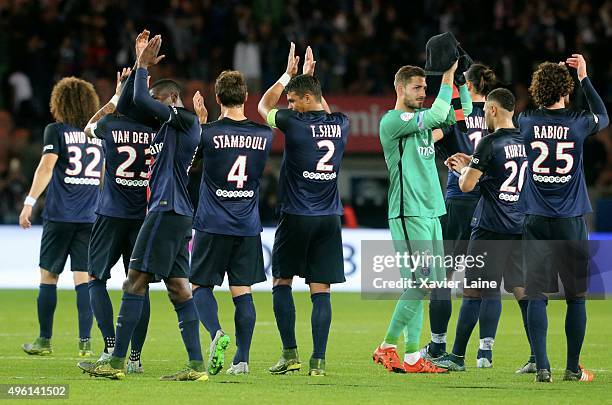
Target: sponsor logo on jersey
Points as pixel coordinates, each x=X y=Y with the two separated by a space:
x=319 y=176
x=426 y=151
x=234 y=193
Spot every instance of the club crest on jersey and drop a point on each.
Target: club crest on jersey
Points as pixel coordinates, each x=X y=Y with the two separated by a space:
x=424 y=261
x=406 y=116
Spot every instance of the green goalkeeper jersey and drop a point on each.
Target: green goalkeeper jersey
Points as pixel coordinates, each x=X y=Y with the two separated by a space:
x=408 y=145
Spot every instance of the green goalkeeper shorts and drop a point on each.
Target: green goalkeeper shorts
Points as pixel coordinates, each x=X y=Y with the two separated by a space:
x=421 y=238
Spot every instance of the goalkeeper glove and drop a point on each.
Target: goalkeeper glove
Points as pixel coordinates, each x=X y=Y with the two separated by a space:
x=464 y=64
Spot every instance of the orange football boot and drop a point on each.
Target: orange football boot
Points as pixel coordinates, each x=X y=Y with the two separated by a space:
x=423 y=366
x=389 y=359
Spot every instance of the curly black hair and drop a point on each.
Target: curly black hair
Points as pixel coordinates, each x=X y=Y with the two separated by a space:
x=549 y=83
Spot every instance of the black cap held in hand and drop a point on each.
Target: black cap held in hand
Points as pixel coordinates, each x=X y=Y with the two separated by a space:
x=441 y=51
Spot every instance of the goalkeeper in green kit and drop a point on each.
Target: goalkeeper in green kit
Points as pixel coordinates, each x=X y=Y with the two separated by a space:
x=415 y=204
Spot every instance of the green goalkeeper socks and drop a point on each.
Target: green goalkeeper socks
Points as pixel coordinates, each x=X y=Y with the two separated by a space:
x=412 y=330
x=408 y=315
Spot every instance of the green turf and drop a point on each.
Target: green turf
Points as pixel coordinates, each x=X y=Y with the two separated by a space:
x=358 y=326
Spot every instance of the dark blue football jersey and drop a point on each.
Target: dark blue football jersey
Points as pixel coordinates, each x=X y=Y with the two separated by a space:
x=455 y=141
x=555 y=184
x=314 y=146
x=501 y=158
x=172 y=151
x=126 y=174
x=234 y=156
x=73 y=192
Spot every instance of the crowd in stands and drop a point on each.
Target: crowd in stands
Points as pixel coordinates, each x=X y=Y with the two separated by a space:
x=359 y=44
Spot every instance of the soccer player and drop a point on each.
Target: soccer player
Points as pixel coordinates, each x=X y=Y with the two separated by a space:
x=227 y=225
x=71 y=166
x=121 y=211
x=415 y=203
x=160 y=251
x=456 y=224
x=555 y=199
x=308 y=240
x=498 y=165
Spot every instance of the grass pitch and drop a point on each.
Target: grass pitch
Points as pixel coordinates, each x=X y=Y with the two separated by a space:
x=357 y=327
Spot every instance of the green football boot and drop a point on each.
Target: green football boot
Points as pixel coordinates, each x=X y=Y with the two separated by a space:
x=450 y=362
x=316 y=367
x=193 y=372
x=216 y=352
x=85 y=348
x=289 y=361
x=103 y=369
x=40 y=347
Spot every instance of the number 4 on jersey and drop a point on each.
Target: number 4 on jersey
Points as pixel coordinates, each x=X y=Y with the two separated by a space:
x=237 y=173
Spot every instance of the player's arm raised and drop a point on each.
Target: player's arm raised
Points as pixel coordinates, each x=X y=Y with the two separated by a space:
x=308 y=69
x=596 y=104
x=142 y=98
x=272 y=95
x=460 y=81
x=200 y=108
x=126 y=97
x=466 y=100
x=42 y=176
x=466 y=103
x=109 y=107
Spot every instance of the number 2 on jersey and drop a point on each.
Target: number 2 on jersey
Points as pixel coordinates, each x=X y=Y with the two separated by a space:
x=237 y=173
x=322 y=165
